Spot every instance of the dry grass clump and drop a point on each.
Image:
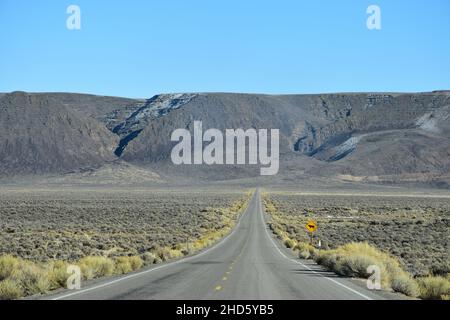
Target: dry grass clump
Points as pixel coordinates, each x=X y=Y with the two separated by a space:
x=128 y=264
x=9 y=290
x=306 y=247
x=173 y=254
x=57 y=273
x=353 y=259
x=434 y=288
x=8 y=264
x=95 y=267
x=406 y=285
x=20 y=276
x=304 y=254
x=135 y=262
x=149 y=258
x=289 y=243
x=32 y=278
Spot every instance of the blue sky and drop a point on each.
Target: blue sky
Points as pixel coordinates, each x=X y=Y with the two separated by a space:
x=140 y=48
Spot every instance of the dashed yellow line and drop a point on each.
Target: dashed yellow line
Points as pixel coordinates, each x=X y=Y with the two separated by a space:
x=225 y=277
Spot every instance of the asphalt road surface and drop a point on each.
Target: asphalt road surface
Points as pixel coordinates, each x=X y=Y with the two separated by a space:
x=248 y=264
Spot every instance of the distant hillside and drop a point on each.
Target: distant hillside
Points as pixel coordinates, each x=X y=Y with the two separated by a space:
x=39 y=135
x=353 y=134
x=376 y=137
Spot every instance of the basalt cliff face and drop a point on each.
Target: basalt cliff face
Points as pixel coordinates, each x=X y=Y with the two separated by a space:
x=374 y=137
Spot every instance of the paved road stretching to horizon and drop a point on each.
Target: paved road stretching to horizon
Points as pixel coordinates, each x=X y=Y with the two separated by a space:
x=247 y=264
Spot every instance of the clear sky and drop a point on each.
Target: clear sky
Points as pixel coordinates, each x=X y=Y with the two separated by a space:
x=140 y=48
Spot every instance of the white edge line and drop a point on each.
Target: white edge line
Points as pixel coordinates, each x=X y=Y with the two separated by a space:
x=215 y=246
x=302 y=264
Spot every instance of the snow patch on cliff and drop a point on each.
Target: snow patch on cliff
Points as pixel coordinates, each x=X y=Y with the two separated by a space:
x=345 y=148
x=428 y=123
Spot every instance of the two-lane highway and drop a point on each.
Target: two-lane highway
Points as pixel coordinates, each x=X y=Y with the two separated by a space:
x=247 y=264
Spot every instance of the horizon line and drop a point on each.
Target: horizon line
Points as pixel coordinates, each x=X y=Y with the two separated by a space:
x=437 y=91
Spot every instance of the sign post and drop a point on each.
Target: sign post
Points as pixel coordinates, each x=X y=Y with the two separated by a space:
x=311 y=226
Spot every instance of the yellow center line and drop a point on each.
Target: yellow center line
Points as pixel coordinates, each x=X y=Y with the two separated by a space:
x=218 y=288
x=224 y=278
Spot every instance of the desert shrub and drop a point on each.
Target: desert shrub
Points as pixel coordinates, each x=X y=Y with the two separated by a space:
x=186 y=251
x=28 y=277
x=440 y=269
x=175 y=254
x=313 y=252
x=127 y=264
x=94 y=267
x=289 y=243
x=280 y=234
x=149 y=258
x=57 y=273
x=302 y=246
x=327 y=258
x=392 y=267
x=389 y=266
x=135 y=262
x=122 y=265
x=361 y=248
x=166 y=253
x=354 y=265
x=406 y=285
x=8 y=264
x=10 y=290
x=304 y=254
x=32 y=279
x=353 y=259
x=201 y=243
x=434 y=288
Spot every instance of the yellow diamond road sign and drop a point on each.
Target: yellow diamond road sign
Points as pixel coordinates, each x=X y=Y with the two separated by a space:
x=311 y=226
